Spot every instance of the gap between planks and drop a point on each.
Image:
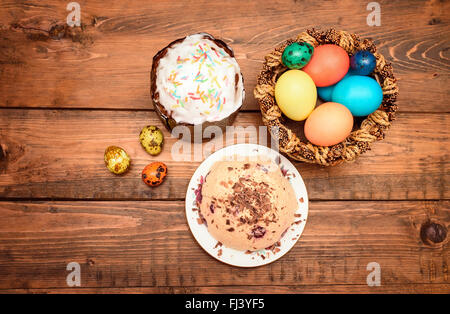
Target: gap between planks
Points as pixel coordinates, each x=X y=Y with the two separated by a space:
x=153 y=110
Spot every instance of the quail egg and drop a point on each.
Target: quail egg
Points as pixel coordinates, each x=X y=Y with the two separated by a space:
x=116 y=159
x=152 y=139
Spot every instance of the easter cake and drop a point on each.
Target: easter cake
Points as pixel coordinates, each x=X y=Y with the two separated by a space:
x=196 y=80
x=247 y=205
x=327 y=95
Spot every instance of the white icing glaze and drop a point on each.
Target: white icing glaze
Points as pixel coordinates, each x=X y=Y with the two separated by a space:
x=196 y=81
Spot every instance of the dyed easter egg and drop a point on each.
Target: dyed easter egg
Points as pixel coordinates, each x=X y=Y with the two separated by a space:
x=295 y=94
x=362 y=95
x=326 y=92
x=328 y=124
x=116 y=159
x=154 y=173
x=297 y=55
x=363 y=62
x=328 y=65
x=152 y=139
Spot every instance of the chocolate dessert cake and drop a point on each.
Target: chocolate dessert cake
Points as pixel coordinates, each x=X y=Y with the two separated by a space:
x=196 y=81
x=247 y=205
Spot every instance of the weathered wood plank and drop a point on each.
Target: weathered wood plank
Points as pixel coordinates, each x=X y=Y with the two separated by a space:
x=298 y=289
x=107 y=64
x=148 y=244
x=59 y=154
x=133 y=243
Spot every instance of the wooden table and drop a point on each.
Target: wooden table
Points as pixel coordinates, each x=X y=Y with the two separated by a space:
x=66 y=94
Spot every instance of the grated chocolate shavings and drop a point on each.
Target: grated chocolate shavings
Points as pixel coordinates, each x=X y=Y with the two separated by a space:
x=262 y=168
x=278 y=160
x=198 y=191
x=258 y=232
x=201 y=220
x=250 y=198
x=274 y=248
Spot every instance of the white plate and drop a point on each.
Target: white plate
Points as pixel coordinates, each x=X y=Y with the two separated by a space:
x=232 y=256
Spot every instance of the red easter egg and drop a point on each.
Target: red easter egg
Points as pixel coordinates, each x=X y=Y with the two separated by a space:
x=328 y=65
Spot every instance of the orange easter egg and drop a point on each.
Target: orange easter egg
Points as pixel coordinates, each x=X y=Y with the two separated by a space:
x=328 y=65
x=328 y=124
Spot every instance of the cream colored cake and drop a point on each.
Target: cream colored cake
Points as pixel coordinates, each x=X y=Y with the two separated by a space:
x=247 y=205
x=197 y=80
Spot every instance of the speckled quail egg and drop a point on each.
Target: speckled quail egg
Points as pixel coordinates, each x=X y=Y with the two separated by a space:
x=116 y=159
x=152 y=139
x=154 y=173
x=297 y=55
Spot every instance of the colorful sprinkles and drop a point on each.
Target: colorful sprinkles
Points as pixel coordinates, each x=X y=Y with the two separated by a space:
x=209 y=86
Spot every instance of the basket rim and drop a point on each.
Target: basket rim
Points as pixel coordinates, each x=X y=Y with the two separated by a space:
x=372 y=128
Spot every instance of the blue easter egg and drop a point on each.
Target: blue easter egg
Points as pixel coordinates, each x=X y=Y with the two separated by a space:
x=326 y=92
x=362 y=95
x=363 y=62
x=352 y=72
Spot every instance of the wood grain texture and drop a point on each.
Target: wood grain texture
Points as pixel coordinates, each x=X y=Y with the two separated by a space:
x=66 y=94
x=298 y=289
x=59 y=154
x=106 y=62
x=148 y=244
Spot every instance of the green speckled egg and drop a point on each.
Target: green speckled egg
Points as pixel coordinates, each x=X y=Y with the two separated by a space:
x=116 y=159
x=297 y=55
x=152 y=139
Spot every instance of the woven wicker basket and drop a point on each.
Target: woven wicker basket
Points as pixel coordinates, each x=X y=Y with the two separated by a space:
x=365 y=131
